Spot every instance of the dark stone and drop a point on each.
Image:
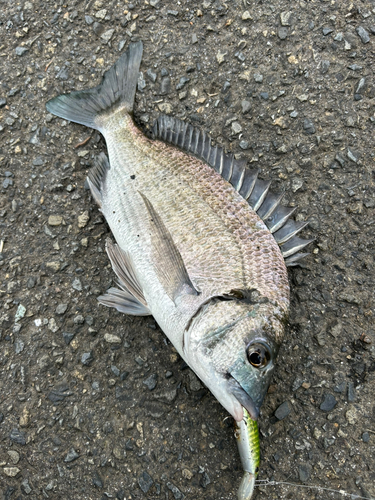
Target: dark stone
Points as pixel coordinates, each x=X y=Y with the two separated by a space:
x=365 y=437
x=71 y=455
x=18 y=437
x=120 y=495
x=308 y=126
x=63 y=74
x=68 y=337
x=329 y=402
x=183 y=81
x=304 y=472
x=165 y=85
x=87 y=358
x=282 y=33
x=9 y=492
x=363 y=34
x=283 y=410
x=3 y=102
x=98 y=28
x=97 y=480
x=324 y=66
x=151 y=381
x=151 y=75
x=176 y=492
x=59 y=392
x=129 y=445
x=145 y=481
x=205 y=480
x=327 y=31
x=351 y=392
x=264 y=95
x=20 y=51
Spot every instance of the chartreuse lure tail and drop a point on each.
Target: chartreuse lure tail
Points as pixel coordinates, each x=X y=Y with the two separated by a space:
x=247 y=435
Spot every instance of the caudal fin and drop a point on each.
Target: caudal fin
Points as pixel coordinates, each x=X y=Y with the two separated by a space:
x=117 y=89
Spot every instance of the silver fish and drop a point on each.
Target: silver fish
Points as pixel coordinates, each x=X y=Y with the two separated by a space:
x=200 y=240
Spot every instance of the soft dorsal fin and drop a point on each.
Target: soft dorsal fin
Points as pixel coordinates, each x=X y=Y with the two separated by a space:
x=243 y=179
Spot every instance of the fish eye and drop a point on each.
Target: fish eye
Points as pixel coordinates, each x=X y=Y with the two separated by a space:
x=258 y=355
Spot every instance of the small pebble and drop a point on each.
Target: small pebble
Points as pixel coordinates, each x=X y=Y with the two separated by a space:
x=145 y=481
x=11 y=471
x=55 y=220
x=283 y=411
x=304 y=472
x=97 y=480
x=183 y=81
x=107 y=35
x=68 y=337
x=151 y=75
x=308 y=126
x=112 y=339
x=236 y=128
x=87 y=358
x=329 y=402
x=363 y=34
x=18 y=437
x=20 y=51
x=165 y=85
x=246 y=106
x=151 y=381
x=25 y=487
x=365 y=437
x=246 y=16
x=14 y=456
x=176 y=492
x=285 y=18
x=351 y=392
x=282 y=33
x=71 y=455
x=205 y=480
x=77 y=285
x=61 y=308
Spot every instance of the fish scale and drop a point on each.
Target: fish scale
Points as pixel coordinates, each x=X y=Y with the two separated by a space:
x=191 y=246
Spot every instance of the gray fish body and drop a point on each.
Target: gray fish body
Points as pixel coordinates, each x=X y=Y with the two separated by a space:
x=190 y=249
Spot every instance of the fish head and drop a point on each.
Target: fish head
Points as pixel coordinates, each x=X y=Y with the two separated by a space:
x=232 y=347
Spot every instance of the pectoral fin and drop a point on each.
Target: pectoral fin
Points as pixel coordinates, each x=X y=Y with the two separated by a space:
x=170 y=267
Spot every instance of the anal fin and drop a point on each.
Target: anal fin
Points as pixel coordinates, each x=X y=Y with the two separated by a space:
x=124 y=302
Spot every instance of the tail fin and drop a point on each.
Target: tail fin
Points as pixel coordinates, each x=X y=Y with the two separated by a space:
x=117 y=89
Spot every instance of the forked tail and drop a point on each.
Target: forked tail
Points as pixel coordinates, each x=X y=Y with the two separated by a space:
x=116 y=90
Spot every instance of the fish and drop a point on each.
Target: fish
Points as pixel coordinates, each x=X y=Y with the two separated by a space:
x=201 y=243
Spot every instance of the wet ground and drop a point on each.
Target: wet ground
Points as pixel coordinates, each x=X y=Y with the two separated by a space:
x=94 y=404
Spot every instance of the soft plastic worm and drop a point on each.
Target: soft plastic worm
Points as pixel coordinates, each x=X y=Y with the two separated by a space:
x=247 y=435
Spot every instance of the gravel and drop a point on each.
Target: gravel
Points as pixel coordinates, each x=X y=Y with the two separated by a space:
x=297 y=85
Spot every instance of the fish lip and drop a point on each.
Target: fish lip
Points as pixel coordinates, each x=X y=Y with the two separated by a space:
x=243 y=398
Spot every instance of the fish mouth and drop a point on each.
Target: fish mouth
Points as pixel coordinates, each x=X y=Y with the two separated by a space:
x=243 y=398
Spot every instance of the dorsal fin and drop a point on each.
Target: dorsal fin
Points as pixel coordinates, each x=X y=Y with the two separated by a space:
x=245 y=180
